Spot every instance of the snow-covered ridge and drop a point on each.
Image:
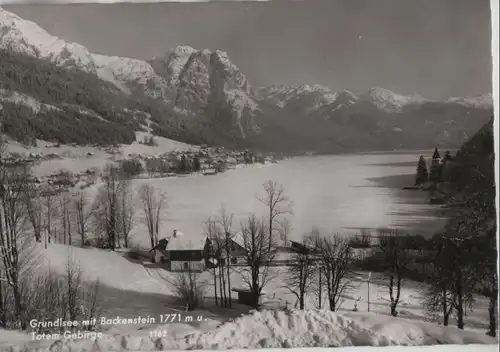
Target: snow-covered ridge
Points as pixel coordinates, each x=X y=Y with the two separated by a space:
x=316 y=95
x=27 y=37
x=387 y=100
x=21 y=98
x=184 y=77
x=481 y=101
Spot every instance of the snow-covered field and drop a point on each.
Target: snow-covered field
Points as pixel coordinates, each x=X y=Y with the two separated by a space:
x=80 y=158
x=138 y=288
x=133 y=288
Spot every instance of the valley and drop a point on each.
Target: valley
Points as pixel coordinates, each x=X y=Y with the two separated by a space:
x=172 y=203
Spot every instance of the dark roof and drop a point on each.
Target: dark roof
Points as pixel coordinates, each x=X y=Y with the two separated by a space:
x=162 y=244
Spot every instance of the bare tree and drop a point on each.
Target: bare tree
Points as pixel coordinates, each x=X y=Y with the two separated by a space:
x=218 y=238
x=12 y=221
x=48 y=195
x=260 y=249
x=226 y=233
x=107 y=203
x=439 y=296
x=278 y=204
x=190 y=288
x=470 y=193
x=210 y=228
x=153 y=203
x=83 y=214
x=395 y=259
x=300 y=274
x=34 y=210
x=336 y=258
x=68 y=296
x=126 y=211
x=284 y=230
x=66 y=216
x=486 y=264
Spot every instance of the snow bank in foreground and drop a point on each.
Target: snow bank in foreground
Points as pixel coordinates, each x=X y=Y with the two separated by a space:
x=287 y=329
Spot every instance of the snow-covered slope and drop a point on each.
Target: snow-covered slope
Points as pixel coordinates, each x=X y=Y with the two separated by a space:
x=389 y=101
x=27 y=37
x=283 y=329
x=185 y=77
x=484 y=101
x=310 y=96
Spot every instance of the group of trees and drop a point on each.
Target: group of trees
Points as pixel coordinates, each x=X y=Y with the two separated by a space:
x=456 y=264
x=257 y=236
x=438 y=165
x=74 y=106
x=462 y=258
x=79 y=107
x=161 y=166
x=114 y=209
x=27 y=290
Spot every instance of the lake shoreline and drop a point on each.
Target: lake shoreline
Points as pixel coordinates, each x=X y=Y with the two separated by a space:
x=425 y=222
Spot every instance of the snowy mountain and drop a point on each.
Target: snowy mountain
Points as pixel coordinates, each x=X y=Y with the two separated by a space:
x=200 y=96
x=309 y=96
x=184 y=78
x=484 y=101
x=389 y=101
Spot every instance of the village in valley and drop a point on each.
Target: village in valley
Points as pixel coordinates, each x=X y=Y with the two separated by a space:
x=168 y=200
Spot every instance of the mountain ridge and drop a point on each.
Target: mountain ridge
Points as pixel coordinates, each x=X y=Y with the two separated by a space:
x=202 y=91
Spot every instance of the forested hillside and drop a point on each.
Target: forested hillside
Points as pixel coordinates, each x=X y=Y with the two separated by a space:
x=41 y=100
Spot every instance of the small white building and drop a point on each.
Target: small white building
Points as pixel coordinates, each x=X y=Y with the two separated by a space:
x=181 y=252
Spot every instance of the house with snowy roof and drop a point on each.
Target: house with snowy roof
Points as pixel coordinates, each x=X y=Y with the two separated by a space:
x=235 y=247
x=182 y=252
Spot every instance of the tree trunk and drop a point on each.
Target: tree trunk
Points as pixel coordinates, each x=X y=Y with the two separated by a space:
x=460 y=298
x=70 y=240
x=19 y=306
x=223 y=277
x=215 y=286
x=320 y=288
x=228 y=273
x=221 y=292
x=492 y=310
x=446 y=311
x=3 y=322
x=64 y=225
x=393 y=304
x=302 y=285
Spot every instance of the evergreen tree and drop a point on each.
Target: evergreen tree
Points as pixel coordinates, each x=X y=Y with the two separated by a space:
x=436 y=154
x=422 y=173
x=196 y=164
x=182 y=166
x=435 y=172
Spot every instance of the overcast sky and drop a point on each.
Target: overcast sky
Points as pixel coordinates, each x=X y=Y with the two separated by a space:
x=437 y=48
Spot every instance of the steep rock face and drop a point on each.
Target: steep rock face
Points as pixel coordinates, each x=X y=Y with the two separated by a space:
x=185 y=78
x=205 y=83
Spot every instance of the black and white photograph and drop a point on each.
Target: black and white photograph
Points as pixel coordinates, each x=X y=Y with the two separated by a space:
x=228 y=175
